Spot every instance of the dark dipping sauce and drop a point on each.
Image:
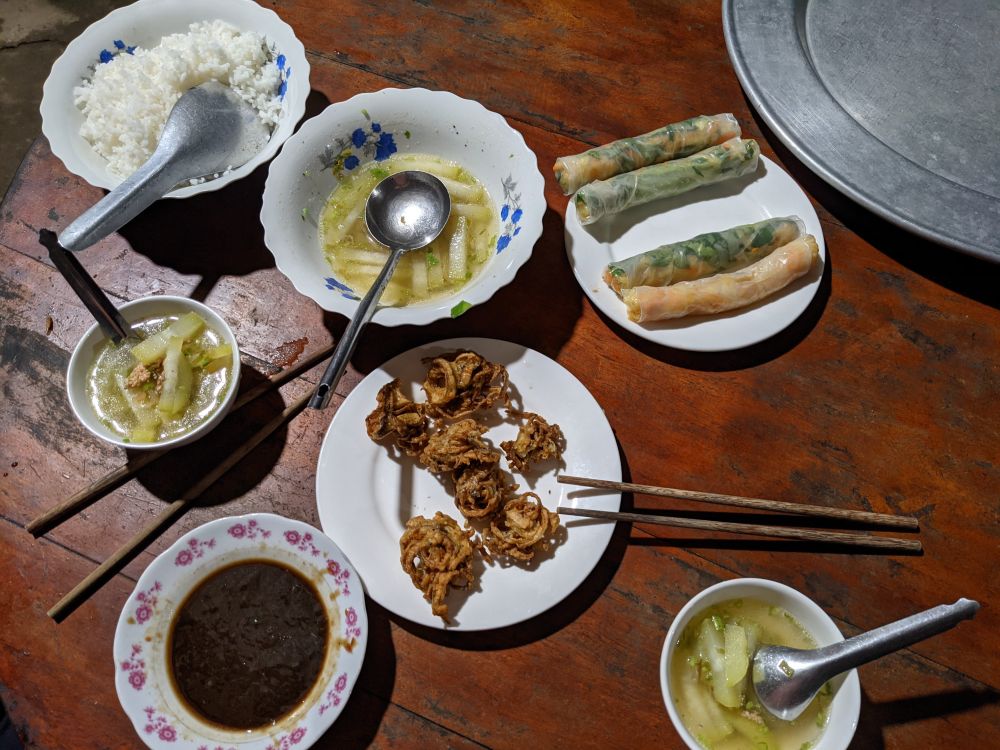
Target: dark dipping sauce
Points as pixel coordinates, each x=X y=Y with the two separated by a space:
x=248 y=644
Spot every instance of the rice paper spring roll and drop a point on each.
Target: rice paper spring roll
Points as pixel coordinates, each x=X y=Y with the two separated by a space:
x=734 y=158
x=669 y=142
x=724 y=291
x=704 y=254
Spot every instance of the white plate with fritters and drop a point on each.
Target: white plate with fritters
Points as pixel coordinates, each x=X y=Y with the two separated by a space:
x=769 y=192
x=367 y=491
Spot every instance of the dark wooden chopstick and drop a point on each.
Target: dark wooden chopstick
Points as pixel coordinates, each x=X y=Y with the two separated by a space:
x=106 y=570
x=111 y=481
x=840 y=514
x=808 y=535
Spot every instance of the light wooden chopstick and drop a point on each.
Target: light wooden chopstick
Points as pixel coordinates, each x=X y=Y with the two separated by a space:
x=106 y=570
x=820 y=511
x=111 y=481
x=807 y=535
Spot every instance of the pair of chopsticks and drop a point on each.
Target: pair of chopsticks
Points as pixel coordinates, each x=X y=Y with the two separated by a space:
x=808 y=535
x=116 y=478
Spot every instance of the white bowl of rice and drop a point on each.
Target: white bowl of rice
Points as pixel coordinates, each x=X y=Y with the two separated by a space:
x=379 y=133
x=109 y=94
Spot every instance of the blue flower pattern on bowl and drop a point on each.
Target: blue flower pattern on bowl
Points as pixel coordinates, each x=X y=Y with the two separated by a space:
x=510 y=213
x=286 y=72
x=370 y=142
x=374 y=143
x=119 y=47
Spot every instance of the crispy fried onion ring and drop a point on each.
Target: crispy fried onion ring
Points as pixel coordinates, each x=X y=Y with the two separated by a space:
x=536 y=441
x=522 y=525
x=479 y=489
x=455 y=445
x=460 y=383
x=398 y=417
x=436 y=554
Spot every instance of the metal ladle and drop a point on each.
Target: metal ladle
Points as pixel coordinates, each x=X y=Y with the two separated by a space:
x=209 y=130
x=406 y=211
x=787 y=679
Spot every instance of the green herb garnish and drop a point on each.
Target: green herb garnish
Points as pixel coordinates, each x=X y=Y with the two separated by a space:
x=460 y=308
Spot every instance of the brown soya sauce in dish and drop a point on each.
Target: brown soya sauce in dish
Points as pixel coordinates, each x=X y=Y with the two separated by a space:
x=248 y=644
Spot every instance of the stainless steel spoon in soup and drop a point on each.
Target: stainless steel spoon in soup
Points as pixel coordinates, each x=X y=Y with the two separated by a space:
x=406 y=211
x=787 y=679
x=210 y=129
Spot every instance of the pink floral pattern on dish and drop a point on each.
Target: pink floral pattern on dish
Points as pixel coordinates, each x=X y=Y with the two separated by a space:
x=195 y=549
x=136 y=667
x=286 y=741
x=140 y=668
x=147 y=602
x=340 y=575
x=302 y=542
x=250 y=530
x=159 y=725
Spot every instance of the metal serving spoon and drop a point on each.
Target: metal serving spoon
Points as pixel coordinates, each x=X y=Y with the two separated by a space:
x=406 y=211
x=209 y=130
x=787 y=679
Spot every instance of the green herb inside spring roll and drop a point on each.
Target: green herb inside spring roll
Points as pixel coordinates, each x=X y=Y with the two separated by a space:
x=734 y=158
x=669 y=142
x=703 y=255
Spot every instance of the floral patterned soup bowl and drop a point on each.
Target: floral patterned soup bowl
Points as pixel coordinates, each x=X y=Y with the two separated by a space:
x=142 y=675
x=373 y=127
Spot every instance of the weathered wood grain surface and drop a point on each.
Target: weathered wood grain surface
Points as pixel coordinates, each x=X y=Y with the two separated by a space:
x=883 y=396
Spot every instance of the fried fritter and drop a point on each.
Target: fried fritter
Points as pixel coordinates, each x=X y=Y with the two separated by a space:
x=536 y=441
x=460 y=383
x=437 y=553
x=520 y=527
x=455 y=445
x=479 y=489
x=398 y=417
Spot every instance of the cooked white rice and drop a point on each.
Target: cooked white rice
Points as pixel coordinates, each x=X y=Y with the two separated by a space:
x=126 y=103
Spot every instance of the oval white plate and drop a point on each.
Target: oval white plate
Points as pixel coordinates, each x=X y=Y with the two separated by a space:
x=770 y=192
x=365 y=495
x=141 y=673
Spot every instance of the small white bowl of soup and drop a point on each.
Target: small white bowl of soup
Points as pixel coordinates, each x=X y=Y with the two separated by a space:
x=716 y=709
x=168 y=387
x=314 y=201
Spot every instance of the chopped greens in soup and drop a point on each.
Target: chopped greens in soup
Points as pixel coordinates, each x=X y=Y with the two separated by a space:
x=711 y=682
x=440 y=269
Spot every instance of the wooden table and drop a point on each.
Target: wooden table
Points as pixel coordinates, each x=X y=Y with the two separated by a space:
x=882 y=396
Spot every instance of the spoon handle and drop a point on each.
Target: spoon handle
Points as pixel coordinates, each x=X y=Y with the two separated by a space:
x=116 y=209
x=105 y=313
x=348 y=342
x=874 y=644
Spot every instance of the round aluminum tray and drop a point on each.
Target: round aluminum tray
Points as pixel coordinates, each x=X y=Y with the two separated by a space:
x=894 y=104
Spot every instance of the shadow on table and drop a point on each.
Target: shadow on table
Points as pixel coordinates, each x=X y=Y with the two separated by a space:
x=876 y=717
x=967 y=275
x=214 y=234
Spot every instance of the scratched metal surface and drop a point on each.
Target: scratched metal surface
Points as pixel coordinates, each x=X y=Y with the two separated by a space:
x=895 y=104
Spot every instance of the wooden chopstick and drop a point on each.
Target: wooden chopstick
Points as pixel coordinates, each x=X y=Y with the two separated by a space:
x=106 y=570
x=808 y=535
x=111 y=481
x=841 y=514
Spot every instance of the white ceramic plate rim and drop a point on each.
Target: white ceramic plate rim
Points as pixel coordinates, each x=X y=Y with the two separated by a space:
x=846 y=706
x=167 y=580
x=357 y=488
x=707 y=209
x=297 y=157
x=60 y=117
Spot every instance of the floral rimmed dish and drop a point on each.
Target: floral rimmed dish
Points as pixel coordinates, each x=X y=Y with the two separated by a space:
x=374 y=126
x=144 y=24
x=142 y=678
